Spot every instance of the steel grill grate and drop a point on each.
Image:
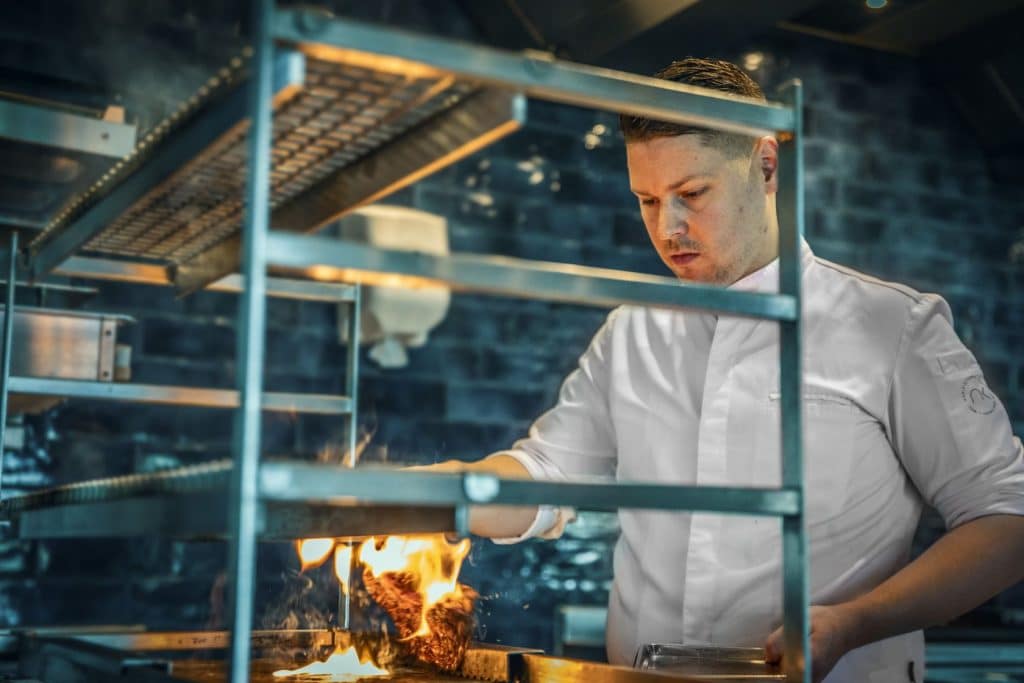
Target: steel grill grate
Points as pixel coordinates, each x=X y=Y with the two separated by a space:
x=341 y=114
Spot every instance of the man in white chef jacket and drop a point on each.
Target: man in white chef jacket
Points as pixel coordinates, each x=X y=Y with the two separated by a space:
x=897 y=415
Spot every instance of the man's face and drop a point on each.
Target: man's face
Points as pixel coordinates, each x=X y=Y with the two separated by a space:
x=707 y=215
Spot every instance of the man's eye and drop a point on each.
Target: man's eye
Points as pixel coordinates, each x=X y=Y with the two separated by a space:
x=693 y=194
x=649 y=201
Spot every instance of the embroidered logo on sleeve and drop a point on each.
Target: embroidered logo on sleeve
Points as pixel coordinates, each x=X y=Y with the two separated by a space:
x=977 y=396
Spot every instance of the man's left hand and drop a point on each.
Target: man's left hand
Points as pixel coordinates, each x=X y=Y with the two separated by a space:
x=831 y=634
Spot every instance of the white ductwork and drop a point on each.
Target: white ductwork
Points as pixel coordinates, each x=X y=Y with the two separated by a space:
x=395 y=319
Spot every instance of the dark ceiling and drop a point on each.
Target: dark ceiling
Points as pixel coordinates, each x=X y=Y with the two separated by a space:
x=975 y=48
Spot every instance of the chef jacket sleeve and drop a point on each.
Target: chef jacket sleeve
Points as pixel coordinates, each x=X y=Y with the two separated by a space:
x=574 y=439
x=951 y=432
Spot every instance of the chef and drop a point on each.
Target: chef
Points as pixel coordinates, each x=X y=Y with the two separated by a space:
x=896 y=415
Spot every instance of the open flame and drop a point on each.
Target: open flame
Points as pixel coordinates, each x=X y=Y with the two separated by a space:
x=343 y=564
x=430 y=564
x=313 y=551
x=342 y=665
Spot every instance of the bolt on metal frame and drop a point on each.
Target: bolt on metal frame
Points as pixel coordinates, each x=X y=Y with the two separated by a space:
x=538 y=76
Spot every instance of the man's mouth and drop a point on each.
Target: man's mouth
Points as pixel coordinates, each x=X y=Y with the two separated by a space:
x=683 y=259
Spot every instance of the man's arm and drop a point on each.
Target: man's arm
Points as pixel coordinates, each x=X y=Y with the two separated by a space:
x=493 y=521
x=574 y=438
x=954 y=440
x=965 y=567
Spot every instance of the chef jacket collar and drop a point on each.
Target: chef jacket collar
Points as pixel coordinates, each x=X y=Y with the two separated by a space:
x=766 y=278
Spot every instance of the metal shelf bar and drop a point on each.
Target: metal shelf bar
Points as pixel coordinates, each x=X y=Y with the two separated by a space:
x=38 y=125
x=537 y=74
x=327 y=258
x=795 y=590
x=203 y=516
x=177 y=395
x=298 y=482
x=242 y=503
x=354 y=329
x=151 y=274
x=169 y=158
x=7 y=339
x=186 y=641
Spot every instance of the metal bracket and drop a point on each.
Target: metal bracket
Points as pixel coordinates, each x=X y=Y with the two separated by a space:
x=38 y=125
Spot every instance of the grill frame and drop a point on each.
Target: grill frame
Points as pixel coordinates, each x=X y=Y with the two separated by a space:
x=177 y=199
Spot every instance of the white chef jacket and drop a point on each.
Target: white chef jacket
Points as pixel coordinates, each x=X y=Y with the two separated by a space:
x=896 y=413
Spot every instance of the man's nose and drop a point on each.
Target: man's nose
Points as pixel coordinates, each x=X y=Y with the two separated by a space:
x=672 y=221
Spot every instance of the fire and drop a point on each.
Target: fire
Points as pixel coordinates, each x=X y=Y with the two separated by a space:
x=343 y=665
x=432 y=562
x=313 y=551
x=415 y=579
x=343 y=564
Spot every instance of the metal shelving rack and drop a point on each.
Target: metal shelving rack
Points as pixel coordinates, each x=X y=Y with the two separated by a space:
x=471 y=95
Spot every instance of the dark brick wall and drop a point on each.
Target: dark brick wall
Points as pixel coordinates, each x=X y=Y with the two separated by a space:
x=895 y=187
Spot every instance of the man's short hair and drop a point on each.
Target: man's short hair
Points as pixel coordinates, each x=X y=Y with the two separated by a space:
x=715 y=74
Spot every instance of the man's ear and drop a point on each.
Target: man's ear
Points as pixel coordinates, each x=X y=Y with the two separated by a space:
x=766 y=156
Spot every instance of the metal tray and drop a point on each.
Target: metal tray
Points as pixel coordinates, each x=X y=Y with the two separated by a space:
x=64 y=344
x=60 y=345
x=706 y=660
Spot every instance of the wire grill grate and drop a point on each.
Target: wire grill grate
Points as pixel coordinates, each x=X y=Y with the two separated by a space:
x=339 y=115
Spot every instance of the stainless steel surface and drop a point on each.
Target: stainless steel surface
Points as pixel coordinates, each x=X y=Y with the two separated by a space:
x=185 y=516
x=497 y=663
x=26 y=122
x=705 y=660
x=172 y=395
x=193 y=640
x=150 y=274
x=286 y=521
x=795 y=591
x=534 y=73
x=325 y=258
x=6 y=340
x=190 y=502
x=104 y=652
x=203 y=516
x=63 y=344
x=299 y=481
x=545 y=669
